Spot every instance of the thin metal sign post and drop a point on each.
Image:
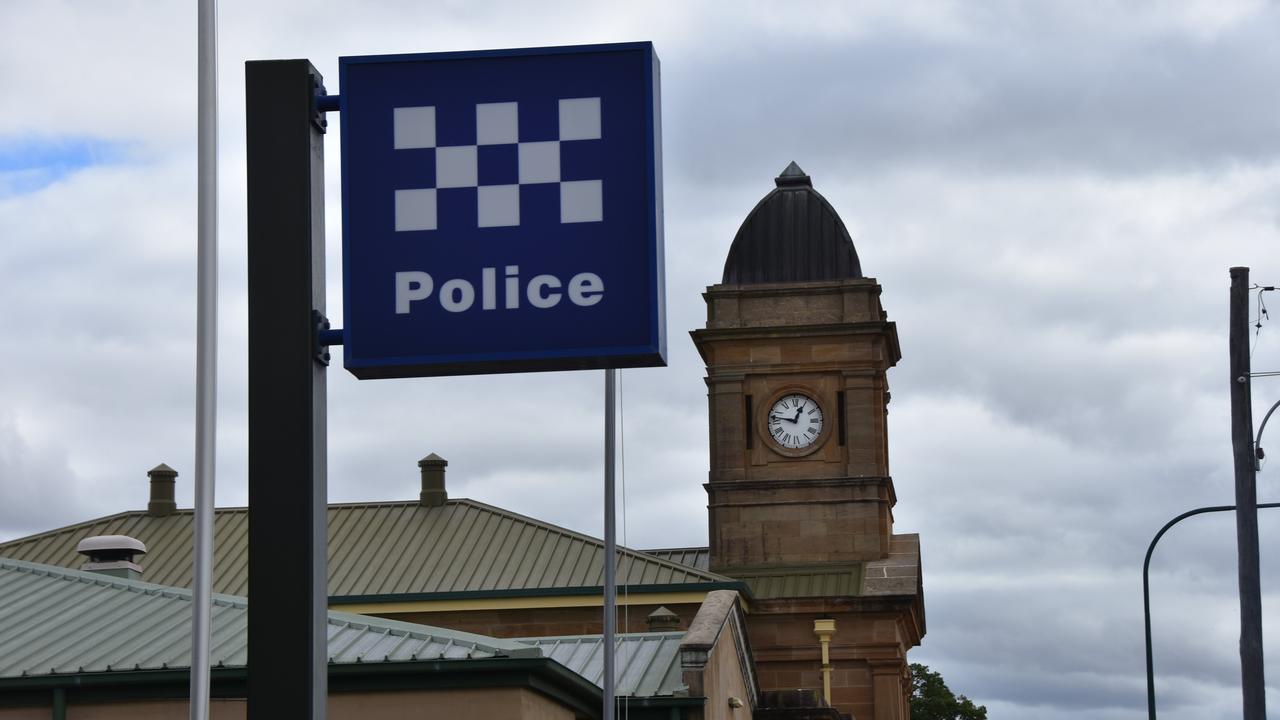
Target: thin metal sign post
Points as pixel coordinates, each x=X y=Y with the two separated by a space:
x=206 y=353
x=1252 y=678
x=287 y=402
x=610 y=538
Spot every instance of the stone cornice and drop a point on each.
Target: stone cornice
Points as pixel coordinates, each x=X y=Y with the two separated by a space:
x=794 y=288
x=876 y=481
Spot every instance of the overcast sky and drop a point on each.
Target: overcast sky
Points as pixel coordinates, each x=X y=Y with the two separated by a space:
x=1050 y=193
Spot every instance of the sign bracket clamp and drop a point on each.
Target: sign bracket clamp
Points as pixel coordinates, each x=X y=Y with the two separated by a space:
x=321 y=103
x=324 y=337
x=327 y=103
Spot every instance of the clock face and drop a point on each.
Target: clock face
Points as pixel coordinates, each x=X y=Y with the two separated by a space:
x=795 y=421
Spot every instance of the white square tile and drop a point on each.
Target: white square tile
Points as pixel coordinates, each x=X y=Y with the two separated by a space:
x=497 y=123
x=581 y=201
x=580 y=119
x=498 y=205
x=415 y=210
x=539 y=162
x=414 y=127
x=456 y=166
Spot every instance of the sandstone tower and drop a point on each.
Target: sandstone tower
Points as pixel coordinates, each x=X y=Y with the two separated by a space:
x=800 y=498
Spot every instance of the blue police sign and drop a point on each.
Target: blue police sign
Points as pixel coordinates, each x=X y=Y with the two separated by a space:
x=502 y=211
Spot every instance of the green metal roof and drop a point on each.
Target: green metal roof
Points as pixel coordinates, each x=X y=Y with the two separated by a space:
x=378 y=549
x=694 y=557
x=781 y=582
x=648 y=664
x=58 y=621
x=798 y=582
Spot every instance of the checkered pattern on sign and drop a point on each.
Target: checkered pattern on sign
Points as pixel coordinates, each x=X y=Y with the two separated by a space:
x=457 y=166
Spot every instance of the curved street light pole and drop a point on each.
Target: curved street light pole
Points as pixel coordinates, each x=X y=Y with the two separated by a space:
x=1146 y=590
x=1257 y=444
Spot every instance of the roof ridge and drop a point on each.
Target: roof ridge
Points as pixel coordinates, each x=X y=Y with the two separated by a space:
x=690 y=568
x=55 y=531
x=421 y=631
x=802 y=569
x=374 y=503
x=594 y=540
x=594 y=636
x=561 y=557
x=107 y=519
x=184 y=511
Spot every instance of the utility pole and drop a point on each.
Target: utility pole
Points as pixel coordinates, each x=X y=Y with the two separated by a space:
x=1252 y=680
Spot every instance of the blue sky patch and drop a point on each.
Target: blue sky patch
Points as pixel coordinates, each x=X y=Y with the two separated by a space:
x=29 y=164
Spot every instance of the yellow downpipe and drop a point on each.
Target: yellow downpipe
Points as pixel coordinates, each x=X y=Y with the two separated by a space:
x=824 y=629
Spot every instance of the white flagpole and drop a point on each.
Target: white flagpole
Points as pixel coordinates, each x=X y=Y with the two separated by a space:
x=206 y=352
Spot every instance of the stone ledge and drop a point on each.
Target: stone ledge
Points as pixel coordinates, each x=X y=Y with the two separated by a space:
x=899 y=574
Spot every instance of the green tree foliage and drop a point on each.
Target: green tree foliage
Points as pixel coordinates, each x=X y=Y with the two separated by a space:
x=931 y=699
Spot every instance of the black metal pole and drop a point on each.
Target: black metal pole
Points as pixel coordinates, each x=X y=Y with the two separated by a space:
x=287 y=411
x=1252 y=680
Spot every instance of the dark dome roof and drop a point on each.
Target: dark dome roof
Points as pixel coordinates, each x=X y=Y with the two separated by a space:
x=792 y=235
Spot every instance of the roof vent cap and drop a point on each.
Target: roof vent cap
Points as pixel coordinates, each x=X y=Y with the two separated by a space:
x=112 y=555
x=662 y=620
x=433 y=492
x=162 y=482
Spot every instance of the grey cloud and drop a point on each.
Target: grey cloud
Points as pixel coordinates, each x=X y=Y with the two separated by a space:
x=1039 y=99
x=35 y=478
x=1050 y=196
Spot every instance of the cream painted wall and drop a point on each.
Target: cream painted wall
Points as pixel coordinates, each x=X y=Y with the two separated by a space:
x=722 y=679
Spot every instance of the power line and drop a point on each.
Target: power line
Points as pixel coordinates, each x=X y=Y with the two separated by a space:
x=1262 y=314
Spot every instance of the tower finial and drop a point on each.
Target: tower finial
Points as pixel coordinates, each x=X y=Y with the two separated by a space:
x=793 y=175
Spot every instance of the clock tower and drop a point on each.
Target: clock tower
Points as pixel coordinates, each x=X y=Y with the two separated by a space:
x=800 y=498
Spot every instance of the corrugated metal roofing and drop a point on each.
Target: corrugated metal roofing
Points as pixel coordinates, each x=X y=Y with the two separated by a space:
x=805 y=582
x=59 y=621
x=694 y=557
x=816 y=581
x=648 y=664
x=380 y=549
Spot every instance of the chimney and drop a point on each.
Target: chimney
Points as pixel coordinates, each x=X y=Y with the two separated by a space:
x=663 y=620
x=162 y=483
x=433 y=492
x=112 y=555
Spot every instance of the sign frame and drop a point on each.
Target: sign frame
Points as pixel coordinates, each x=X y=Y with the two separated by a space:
x=646 y=343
